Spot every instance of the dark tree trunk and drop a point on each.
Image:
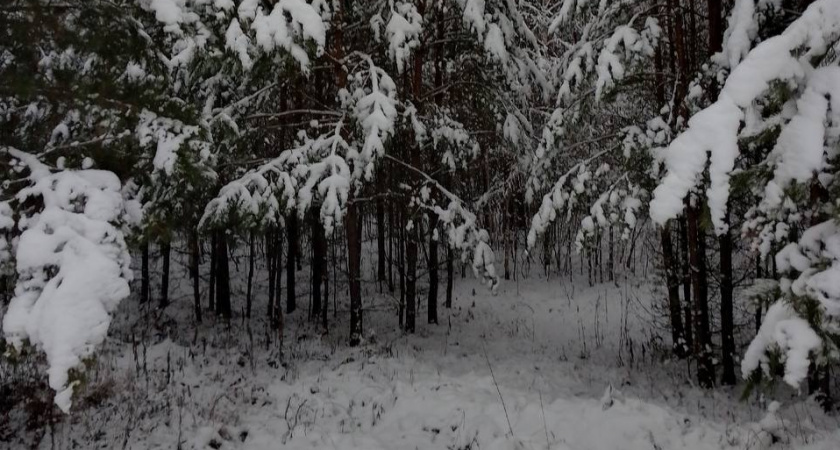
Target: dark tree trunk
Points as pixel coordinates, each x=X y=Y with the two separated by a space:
x=727 y=331
x=354 y=265
x=278 y=278
x=506 y=240
x=391 y=258
x=326 y=277
x=682 y=59
x=686 y=283
x=292 y=234
x=450 y=276
x=401 y=248
x=275 y=258
x=715 y=11
x=166 y=252
x=674 y=307
x=249 y=293
x=411 y=280
x=611 y=261
x=380 y=242
x=759 y=273
x=319 y=253
x=4 y=289
x=223 y=277
x=144 y=273
x=195 y=257
x=702 y=340
x=270 y=261
x=214 y=258
x=433 y=272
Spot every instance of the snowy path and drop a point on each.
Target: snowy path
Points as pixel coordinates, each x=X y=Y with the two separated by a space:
x=436 y=390
x=527 y=369
x=377 y=407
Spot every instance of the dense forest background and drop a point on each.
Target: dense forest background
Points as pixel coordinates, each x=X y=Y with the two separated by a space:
x=291 y=169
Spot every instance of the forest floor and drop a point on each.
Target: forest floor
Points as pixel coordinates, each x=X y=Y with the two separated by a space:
x=545 y=364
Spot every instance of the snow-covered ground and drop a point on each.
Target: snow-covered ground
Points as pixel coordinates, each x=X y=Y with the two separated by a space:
x=543 y=365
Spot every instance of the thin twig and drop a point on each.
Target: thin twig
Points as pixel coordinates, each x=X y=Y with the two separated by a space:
x=492 y=375
x=545 y=425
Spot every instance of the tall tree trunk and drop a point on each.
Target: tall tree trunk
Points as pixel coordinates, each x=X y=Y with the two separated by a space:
x=433 y=271
x=506 y=235
x=611 y=260
x=144 y=273
x=682 y=60
x=674 y=307
x=353 y=225
x=354 y=263
x=715 y=17
x=416 y=159
x=326 y=277
x=214 y=258
x=249 y=293
x=319 y=250
x=702 y=340
x=686 y=283
x=292 y=234
x=277 y=319
x=727 y=331
x=195 y=259
x=692 y=42
x=759 y=273
x=223 y=277
x=4 y=290
x=271 y=263
x=380 y=238
x=411 y=280
x=391 y=257
x=450 y=276
x=401 y=253
x=166 y=252
x=278 y=279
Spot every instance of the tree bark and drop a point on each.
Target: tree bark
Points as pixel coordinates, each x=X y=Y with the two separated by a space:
x=686 y=283
x=326 y=277
x=411 y=280
x=715 y=11
x=727 y=332
x=195 y=257
x=450 y=276
x=166 y=252
x=278 y=278
x=270 y=261
x=433 y=271
x=758 y=309
x=211 y=300
x=144 y=273
x=674 y=307
x=292 y=234
x=354 y=254
x=401 y=253
x=416 y=159
x=223 y=278
x=611 y=260
x=249 y=293
x=702 y=340
x=380 y=239
x=319 y=251
x=391 y=257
